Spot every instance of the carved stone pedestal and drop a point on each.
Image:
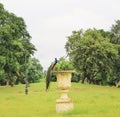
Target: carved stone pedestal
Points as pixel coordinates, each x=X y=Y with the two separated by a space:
x=64 y=103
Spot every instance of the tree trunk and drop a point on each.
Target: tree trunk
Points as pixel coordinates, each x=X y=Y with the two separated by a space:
x=83 y=80
x=78 y=78
x=118 y=84
x=22 y=79
x=11 y=81
x=7 y=82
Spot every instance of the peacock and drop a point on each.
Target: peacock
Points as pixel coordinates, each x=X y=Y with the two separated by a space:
x=49 y=73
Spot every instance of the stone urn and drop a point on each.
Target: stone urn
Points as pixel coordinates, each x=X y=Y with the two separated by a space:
x=64 y=103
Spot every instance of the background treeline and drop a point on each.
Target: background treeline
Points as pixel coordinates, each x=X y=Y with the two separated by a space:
x=16 y=63
x=93 y=53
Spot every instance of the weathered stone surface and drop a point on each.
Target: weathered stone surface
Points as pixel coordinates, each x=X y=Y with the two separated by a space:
x=63 y=107
x=64 y=103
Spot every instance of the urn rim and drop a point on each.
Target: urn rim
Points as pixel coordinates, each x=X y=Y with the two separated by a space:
x=63 y=71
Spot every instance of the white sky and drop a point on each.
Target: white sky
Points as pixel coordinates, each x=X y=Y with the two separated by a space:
x=49 y=22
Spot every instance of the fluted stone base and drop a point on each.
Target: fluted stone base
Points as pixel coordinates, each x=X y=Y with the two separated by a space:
x=63 y=105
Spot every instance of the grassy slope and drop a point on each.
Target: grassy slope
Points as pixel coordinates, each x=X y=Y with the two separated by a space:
x=89 y=101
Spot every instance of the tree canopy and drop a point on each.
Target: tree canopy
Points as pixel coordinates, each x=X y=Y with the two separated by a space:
x=15 y=45
x=92 y=54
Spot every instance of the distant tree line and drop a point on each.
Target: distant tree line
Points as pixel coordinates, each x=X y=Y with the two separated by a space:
x=16 y=63
x=95 y=54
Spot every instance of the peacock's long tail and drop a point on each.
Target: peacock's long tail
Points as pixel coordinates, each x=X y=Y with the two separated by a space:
x=48 y=77
x=49 y=74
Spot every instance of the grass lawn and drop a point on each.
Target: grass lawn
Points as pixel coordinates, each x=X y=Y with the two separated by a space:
x=89 y=101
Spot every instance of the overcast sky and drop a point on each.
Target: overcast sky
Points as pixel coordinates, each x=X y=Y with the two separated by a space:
x=49 y=22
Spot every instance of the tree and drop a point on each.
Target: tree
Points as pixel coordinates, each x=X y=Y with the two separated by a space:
x=34 y=71
x=91 y=54
x=15 y=45
x=73 y=41
x=115 y=39
x=115 y=30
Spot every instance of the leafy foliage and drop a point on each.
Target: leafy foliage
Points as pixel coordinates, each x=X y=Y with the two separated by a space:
x=64 y=65
x=115 y=39
x=92 y=54
x=15 y=45
x=34 y=70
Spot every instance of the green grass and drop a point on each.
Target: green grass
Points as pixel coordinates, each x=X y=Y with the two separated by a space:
x=89 y=101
